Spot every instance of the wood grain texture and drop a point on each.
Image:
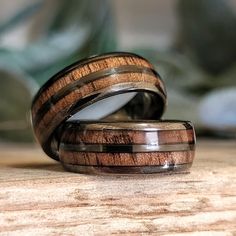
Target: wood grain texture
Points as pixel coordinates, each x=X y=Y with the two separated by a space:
x=37 y=197
x=127 y=144
x=81 y=71
x=127 y=159
x=129 y=137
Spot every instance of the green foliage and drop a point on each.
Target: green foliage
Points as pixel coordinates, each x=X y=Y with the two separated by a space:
x=208 y=33
x=75 y=29
x=15 y=100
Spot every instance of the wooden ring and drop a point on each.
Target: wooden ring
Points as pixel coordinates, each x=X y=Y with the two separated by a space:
x=127 y=147
x=92 y=80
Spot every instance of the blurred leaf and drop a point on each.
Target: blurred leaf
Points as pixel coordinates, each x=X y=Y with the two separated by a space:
x=176 y=70
x=207 y=31
x=20 y=16
x=75 y=29
x=15 y=100
x=79 y=29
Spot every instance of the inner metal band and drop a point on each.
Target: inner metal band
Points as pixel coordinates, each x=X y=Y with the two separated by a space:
x=126 y=148
x=120 y=88
x=51 y=147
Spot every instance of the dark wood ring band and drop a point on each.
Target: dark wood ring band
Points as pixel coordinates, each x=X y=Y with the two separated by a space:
x=134 y=145
x=87 y=82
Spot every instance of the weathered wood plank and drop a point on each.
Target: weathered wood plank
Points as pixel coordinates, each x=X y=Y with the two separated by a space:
x=37 y=197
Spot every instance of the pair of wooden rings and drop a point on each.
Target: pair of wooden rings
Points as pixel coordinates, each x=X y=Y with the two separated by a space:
x=95 y=115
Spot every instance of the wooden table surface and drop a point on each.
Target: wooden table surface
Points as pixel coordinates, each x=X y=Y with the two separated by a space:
x=37 y=197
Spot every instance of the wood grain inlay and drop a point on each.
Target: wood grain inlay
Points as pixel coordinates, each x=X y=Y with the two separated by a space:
x=126 y=159
x=77 y=143
x=128 y=137
x=84 y=70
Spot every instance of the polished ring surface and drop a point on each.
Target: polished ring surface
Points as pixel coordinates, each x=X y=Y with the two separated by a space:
x=127 y=147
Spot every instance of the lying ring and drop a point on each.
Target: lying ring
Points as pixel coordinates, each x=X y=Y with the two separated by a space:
x=127 y=147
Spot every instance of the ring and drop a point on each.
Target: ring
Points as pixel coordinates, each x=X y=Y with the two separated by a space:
x=127 y=146
x=96 y=88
